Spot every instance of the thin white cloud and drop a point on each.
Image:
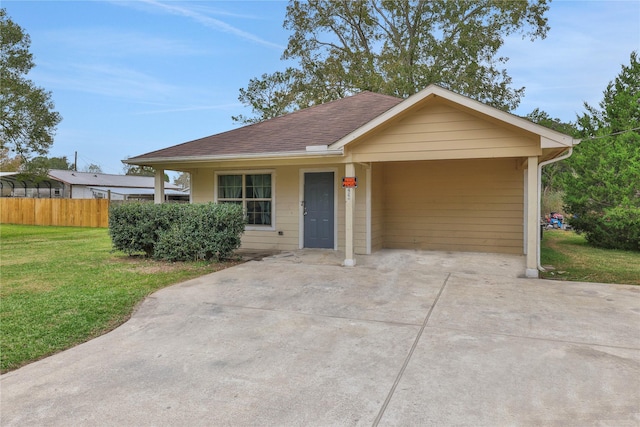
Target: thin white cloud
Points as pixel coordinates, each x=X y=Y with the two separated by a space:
x=106 y=80
x=112 y=42
x=204 y=8
x=196 y=14
x=223 y=107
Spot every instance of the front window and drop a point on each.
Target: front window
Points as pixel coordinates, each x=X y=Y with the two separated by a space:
x=252 y=191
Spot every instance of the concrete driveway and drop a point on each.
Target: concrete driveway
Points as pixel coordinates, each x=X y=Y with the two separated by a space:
x=404 y=338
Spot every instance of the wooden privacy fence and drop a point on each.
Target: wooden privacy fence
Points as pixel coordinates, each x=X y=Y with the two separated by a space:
x=66 y=212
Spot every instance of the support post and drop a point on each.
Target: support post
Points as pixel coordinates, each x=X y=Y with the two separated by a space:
x=533 y=222
x=349 y=207
x=158 y=192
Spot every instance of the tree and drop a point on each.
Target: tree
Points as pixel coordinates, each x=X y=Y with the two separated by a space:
x=552 y=174
x=395 y=48
x=183 y=180
x=270 y=96
x=61 y=163
x=136 y=170
x=93 y=168
x=552 y=183
x=41 y=165
x=603 y=188
x=27 y=119
x=544 y=119
x=8 y=163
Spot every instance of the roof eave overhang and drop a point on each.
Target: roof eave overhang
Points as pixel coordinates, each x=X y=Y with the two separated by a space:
x=568 y=142
x=235 y=157
x=60 y=180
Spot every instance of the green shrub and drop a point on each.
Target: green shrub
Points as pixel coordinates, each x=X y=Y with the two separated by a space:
x=131 y=227
x=207 y=232
x=617 y=228
x=177 y=232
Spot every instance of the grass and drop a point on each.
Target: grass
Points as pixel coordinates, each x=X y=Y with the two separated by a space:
x=61 y=286
x=572 y=259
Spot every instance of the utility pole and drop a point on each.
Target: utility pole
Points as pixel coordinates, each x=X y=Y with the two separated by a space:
x=75 y=162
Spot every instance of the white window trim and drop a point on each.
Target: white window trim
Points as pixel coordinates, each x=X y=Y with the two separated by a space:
x=271 y=172
x=301 y=207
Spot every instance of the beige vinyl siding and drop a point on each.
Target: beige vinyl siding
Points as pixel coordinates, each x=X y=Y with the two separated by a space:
x=377 y=206
x=287 y=206
x=360 y=214
x=202 y=182
x=440 y=131
x=456 y=205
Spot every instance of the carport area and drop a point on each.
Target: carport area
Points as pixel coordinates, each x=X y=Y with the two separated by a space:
x=403 y=338
x=450 y=205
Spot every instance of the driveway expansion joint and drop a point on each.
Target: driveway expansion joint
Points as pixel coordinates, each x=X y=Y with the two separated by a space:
x=411 y=351
x=306 y=313
x=529 y=337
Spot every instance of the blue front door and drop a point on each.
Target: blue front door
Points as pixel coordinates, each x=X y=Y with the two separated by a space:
x=318 y=210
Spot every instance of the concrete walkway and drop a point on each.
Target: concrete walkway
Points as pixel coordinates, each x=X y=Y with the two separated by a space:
x=404 y=338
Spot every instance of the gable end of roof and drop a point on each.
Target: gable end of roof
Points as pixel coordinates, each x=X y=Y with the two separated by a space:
x=548 y=137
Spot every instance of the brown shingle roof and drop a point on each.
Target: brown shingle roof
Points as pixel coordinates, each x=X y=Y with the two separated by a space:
x=318 y=125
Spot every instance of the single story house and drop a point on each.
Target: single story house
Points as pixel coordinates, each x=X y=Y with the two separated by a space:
x=435 y=171
x=59 y=184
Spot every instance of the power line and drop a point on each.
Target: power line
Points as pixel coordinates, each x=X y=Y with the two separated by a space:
x=613 y=134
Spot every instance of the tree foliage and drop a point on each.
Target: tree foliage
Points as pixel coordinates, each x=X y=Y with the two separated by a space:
x=552 y=173
x=271 y=95
x=183 y=180
x=27 y=117
x=61 y=163
x=603 y=186
x=41 y=165
x=36 y=169
x=395 y=48
x=93 y=168
x=9 y=163
x=136 y=170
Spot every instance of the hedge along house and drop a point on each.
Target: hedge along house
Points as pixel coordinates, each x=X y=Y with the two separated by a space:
x=437 y=171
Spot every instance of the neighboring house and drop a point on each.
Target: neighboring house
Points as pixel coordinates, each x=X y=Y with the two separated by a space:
x=86 y=185
x=437 y=171
x=17 y=184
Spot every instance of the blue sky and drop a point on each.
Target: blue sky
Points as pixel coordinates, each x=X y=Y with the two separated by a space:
x=131 y=77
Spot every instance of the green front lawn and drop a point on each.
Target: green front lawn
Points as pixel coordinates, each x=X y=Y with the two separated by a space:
x=574 y=260
x=61 y=286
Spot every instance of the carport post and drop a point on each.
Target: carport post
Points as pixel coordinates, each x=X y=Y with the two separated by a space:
x=350 y=202
x=533 y=222
x=158 y=192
